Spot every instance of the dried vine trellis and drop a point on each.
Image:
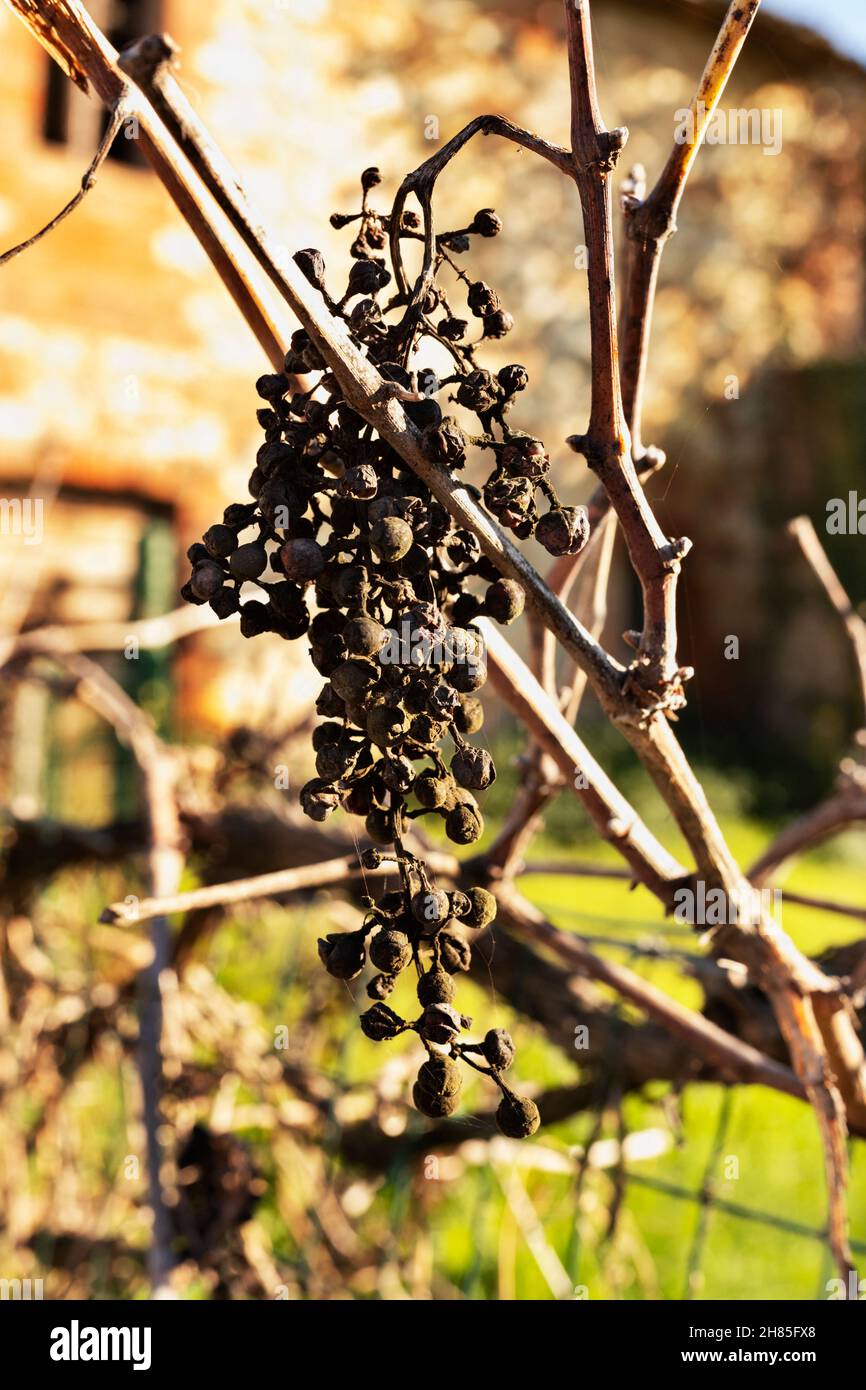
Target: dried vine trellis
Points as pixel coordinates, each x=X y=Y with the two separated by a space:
x=813 y=1007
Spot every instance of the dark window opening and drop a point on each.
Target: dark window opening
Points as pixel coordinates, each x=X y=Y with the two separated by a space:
x=55 y=122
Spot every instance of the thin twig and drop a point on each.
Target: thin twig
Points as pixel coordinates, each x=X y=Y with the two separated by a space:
x=584 y=869
x=806 y=537
x=117 y=115
x=284 y=881
x=847 y=805
x=158 y=769
x=541 y=779
x=837 y=813
x=712 y=1043
x=655 y=675
x=615 y=819
x=150 y=634
x=651 y=221
x=421 y=182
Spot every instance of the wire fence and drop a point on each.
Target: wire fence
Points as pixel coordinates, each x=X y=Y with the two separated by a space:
x=710 y=1202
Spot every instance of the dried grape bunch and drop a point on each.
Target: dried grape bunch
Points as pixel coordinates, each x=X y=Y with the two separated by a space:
x=346 y=545
x=521 y=469
x=418 y=925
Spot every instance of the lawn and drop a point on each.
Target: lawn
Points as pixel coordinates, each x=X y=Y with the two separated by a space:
x=500 y=1231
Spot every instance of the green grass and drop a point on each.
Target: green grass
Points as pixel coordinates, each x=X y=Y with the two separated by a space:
x=769 y=1159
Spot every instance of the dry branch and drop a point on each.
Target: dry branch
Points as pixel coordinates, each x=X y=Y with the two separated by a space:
x=836 y=814
x=542 y=780
x=806 y=537
x=718 y=1050
x=158 y=769
x=656 y=675
x=847 y=805
x=321 y=874
x=148 y=633
x=611 y=813
x=715 y=1046
x=651 y=220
